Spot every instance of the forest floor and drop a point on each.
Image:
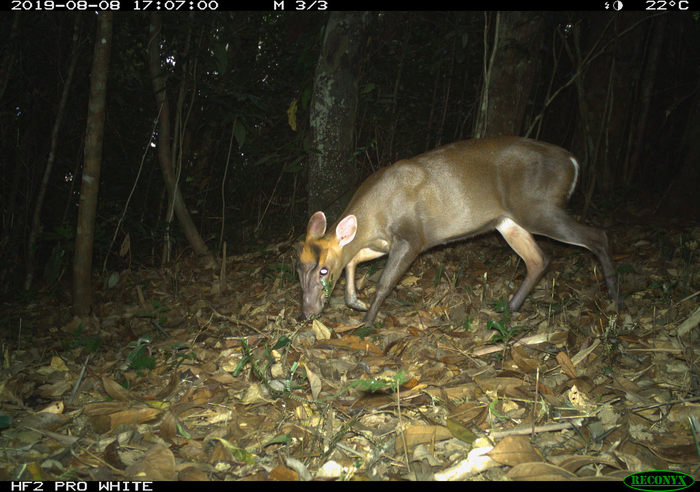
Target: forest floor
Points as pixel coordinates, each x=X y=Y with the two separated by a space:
x=175 y=378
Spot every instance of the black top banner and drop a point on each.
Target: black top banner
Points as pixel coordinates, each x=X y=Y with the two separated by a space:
x=319 y=5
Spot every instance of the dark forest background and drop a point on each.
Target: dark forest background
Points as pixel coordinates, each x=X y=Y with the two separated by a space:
x=274 y=115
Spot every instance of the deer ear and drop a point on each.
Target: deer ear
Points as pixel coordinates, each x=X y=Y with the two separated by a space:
x=317 y=225
x=346 y=230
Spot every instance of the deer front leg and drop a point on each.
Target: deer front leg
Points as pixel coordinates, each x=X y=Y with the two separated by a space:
x=402 y=254
x=351 y=297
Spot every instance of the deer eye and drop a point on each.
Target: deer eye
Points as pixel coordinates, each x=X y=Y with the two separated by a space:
x=323 y=271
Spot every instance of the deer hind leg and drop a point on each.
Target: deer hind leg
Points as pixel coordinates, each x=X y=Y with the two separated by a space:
x=536 y=262
x=562 y=227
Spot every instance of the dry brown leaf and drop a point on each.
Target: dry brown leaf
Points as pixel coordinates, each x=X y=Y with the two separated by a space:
x=524 y=361
x=116 y=391
x=574 y=463
x=689 y=323
x=314 y=382
x=157 y=464
x=105 y=423
x=321 y=331
x=513 y=450
x=200 y=396
x=283 y=474
x=621 y=382
x=43 y=420
x=352 y=343
x=685 y=453
x=170 y=388
x=55 y=407
x=192 y=474
x=7 y=393
x=566 y=365
x=111 y=456
x=421 y=434
x=467 y=412
x=220 y=453
x=57 y=389
x=103 y=408
x=583 y=384
x=168 y=428
x=253 y=394
x=580 y=401
x=57 y=364
x=498 y=383
x=409 y=280
x=543 y=389
x=585 y=352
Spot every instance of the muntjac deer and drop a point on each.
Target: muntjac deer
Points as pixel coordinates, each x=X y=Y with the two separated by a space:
x=515 y=185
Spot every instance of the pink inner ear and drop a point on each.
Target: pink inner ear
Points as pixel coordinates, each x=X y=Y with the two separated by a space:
x=346 y=230
x=317 y=225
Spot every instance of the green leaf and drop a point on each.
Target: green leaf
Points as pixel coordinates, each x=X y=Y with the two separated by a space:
x=239 y=133
x=460 y=432
x=294 y=166
x=243 y=456
x=220 y=57
x=5 y=421
x=368 y=88
x=495 y=325
x=281 y=439
x=281 y=342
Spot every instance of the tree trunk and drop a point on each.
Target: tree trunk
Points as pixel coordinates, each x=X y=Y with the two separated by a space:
x=638 y=131
x=681 y=199
x=509 y=72
x=82 y=261
x=164 y=152
x=611 y=71
x=10 y=52
x=41 y=195
x=332 y=115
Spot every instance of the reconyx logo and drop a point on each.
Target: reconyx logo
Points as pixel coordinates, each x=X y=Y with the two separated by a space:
x=659 y=480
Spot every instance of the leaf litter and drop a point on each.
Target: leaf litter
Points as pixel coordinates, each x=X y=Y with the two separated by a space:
x=178 y=376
